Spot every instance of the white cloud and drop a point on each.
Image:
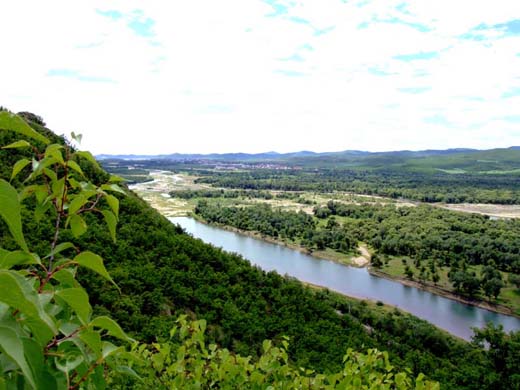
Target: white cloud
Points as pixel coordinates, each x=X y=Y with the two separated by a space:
x=211 y=76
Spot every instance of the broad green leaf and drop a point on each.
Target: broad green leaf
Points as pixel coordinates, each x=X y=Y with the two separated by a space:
x=18 y=144
x=93 y=262
x=58 y=188
x=18 y=293
x=77 y=299
x=17 y=258
x=77 y=203
x=77 y=225
x=111 y=222
x=89 y=157
x=60 y=248
x=18 y=166
x=40 y=210
x=128 y=371
x=74 y=183
x=34 y=356
x=39 y=166
x=116 y=179
x=12 y=346
x=113 y=202
x=10 y=121
x=39 y=191
x=54 y=150
x=92 y=339
x=10 y=211
x=66 y=277
x=110 y=349
x=74 y=166
x=70 y=358
x=50 y=174
x=113 y=188
x=111 y=327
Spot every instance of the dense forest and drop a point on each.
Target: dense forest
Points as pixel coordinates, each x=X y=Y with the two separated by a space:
x=424 y=187
x=431 y=237
x=163 y=273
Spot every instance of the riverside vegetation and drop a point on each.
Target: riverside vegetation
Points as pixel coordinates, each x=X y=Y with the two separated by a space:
x=468 y=254
x=62 y=325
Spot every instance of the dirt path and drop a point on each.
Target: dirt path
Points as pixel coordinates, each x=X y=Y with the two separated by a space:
x=364 y=259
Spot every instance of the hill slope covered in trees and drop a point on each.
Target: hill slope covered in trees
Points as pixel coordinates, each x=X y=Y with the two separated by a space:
x=162 y=273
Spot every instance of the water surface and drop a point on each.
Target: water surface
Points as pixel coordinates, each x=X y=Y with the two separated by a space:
x=455 y=317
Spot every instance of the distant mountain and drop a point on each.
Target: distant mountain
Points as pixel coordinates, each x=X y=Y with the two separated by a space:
x=457 y=160
x=271 y=155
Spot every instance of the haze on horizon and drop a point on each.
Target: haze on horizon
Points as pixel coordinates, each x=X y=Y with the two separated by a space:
x=257 y=75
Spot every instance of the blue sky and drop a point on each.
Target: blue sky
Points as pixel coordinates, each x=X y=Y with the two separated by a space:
x=256 y=75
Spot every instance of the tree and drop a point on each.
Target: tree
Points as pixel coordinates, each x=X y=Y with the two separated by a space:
x=492 y=281
x=465 y=282
x=492 y=287
x=49 y=337
x=514 y=279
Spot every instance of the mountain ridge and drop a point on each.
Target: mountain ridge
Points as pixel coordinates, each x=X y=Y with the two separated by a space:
x=302 y=153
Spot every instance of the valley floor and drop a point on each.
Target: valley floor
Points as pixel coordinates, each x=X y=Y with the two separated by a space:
x=156 y=193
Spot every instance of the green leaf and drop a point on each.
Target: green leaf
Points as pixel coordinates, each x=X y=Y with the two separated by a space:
x=66 y=277
x=18 y=293
x=12 y=346
x=110 y=349
x=77 y=299
x=113 y=202
x=77 y=203
x=89 y=157
x=40 y=210
x=70 y=357
x=111 y=327
x=77 y=225
x=74 y=166
x=111 y=222
x=128 y=371
x=116 y=179
x=18 y=166
x=17 y=258
x=18 y=144
x=54 y=151
x=10 y=211
x=34 y=355
x=39 y=166
x=60 y=248
x=92 y=339
x=10 y=121
x=113 y=188
x=93 y=262
x=58 y=189
x=50 y=174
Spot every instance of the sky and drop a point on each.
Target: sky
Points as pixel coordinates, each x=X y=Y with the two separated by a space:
x=202 y=76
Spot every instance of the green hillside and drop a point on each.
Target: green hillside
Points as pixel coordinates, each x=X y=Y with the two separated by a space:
x=162 y=273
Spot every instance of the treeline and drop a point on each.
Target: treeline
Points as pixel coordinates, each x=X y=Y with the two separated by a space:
x=430 y=237
x=424 y=233
x=162 y=272
x=431 y=188
x=295 y=226
x=232 y=194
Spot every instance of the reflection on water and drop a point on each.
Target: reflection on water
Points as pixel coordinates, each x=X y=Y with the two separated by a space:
x=455 y=317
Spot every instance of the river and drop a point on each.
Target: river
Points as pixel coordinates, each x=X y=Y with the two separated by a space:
x=455 y=317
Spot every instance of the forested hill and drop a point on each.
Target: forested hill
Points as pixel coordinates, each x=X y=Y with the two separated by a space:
x=452 y=161
x=163 y=272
